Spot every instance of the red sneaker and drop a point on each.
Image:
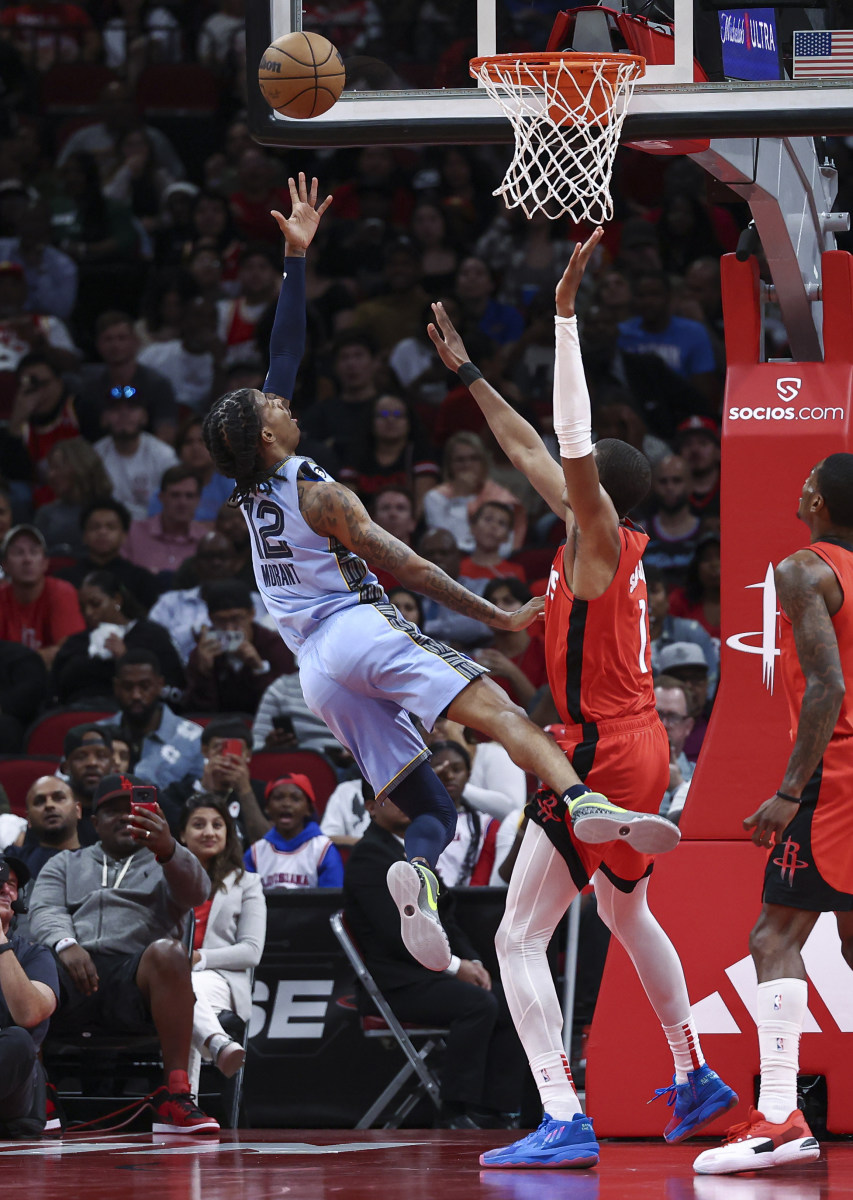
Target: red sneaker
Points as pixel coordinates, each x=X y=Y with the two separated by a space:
x=177 y=1112
x=757 y=1144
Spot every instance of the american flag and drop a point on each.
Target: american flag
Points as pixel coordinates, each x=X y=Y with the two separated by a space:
x=823 y=53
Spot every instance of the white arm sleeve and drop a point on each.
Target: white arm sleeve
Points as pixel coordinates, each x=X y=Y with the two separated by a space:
x=572 y=420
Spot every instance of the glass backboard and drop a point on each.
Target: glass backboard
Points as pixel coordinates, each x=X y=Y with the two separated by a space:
x=713 y=69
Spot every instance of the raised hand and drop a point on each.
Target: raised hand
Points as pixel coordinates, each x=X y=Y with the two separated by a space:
x=448 y=343
x=567 y=288
x=299 y=228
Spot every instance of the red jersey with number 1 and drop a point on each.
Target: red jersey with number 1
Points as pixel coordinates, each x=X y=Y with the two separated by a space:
x=597 y=651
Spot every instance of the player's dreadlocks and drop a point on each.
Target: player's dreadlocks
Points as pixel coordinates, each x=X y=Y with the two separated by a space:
x=232 y=434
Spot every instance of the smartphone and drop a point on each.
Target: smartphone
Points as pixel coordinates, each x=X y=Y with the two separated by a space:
x=284 y=723
x=144 y=797
x=233 y=746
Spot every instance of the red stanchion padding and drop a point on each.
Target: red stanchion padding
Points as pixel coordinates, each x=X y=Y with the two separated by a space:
x=707 y=897
x=780 y=419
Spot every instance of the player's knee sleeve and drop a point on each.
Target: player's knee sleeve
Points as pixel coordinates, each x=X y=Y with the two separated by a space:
x=422 y=793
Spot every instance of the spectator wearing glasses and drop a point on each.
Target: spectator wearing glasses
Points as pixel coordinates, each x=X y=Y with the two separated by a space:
x=393 y=453
x=671 y=704
x=161 y=543
x=35 y=610
x=118 y=346
x=105 y=524
x=135 y=460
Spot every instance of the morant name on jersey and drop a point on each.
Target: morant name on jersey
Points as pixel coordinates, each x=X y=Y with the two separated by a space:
x=303 y=577
x=278 y=574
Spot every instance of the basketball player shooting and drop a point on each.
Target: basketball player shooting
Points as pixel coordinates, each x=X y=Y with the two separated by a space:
x=599 y=670
x=808 y=824
x=362 y=667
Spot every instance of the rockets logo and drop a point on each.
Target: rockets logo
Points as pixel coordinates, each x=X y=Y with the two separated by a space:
x=767 y=647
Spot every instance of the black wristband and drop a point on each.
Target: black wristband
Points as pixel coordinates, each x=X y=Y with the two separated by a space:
x=790 y=799
x=468 y=373
x=6 y=946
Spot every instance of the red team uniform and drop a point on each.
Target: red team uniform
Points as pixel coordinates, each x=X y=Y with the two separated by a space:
x=812 y=866
x=599 y=668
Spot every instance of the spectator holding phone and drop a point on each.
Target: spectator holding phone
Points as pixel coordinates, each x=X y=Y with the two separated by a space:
x=230 y=930
x=285 y=722
x=108 y=913
x=226 y=747
x=294 y=853
x=236 y=659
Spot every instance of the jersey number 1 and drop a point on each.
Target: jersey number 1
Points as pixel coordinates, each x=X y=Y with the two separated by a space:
x=644 y=638
x=268 y=537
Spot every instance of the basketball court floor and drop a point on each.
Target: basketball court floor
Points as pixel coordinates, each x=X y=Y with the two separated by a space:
x=411 y=1164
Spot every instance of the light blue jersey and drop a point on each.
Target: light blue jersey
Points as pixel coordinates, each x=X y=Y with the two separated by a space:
x=362 y=667
x=302 y=576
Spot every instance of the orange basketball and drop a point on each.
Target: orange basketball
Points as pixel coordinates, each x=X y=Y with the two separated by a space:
x=301 y=75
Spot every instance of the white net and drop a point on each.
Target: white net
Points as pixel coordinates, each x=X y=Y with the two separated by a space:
x=567 y=119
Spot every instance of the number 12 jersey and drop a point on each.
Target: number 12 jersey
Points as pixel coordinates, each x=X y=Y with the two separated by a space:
x=303 y=576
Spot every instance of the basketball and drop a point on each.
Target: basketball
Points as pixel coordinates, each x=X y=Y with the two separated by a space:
x=301 y=75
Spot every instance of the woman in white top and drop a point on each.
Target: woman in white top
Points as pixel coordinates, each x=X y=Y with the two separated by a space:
x=229 y=937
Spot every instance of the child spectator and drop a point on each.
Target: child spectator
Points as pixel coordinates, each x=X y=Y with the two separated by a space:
x=294 y=854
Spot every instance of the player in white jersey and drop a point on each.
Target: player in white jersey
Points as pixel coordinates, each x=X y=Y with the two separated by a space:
x=363 y=668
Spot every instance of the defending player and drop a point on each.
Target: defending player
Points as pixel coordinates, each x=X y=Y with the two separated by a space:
x=599 y=668
x=808 y=823
x=363 y=668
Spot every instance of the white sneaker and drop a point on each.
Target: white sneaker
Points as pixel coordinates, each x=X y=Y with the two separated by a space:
x=757 y=1144
x=414 y=889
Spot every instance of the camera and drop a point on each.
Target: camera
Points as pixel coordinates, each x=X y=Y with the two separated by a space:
x=229 y=639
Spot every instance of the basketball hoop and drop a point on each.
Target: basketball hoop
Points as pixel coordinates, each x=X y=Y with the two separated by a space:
x=567 y=112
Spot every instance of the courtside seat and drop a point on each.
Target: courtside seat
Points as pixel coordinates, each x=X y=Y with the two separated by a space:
x=386 y=1026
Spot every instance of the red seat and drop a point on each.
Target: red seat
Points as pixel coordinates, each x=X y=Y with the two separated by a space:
x=178 y=90
x=17 y=776
x=269 y=764
x=47 y=734
x=204 y=719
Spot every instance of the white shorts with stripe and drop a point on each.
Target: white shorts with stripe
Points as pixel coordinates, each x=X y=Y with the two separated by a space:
x=364 y=670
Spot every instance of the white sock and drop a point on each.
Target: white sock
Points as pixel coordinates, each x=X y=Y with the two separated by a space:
x=781 y=1012
x=553 y=1077
x=684 y=1044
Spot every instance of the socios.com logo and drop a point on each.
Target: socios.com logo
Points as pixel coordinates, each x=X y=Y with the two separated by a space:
x=788 y=388
x=786 y=413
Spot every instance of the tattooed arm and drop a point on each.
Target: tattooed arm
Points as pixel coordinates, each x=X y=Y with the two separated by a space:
x=809 y=592
x=332 y=510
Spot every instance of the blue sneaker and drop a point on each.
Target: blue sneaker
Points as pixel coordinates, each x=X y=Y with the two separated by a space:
x=555 y=1144
x=701 y=1098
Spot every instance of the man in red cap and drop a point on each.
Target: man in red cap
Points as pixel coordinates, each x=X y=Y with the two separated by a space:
x=698 y=443
x=294 y=853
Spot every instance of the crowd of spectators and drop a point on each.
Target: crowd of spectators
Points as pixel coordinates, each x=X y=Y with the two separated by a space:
x=139 y=270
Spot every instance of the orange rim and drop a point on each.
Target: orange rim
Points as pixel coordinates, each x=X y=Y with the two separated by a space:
x=569 y=59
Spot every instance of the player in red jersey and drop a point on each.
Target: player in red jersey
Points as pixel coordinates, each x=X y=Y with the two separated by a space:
x=808 y=824
x=599 y=668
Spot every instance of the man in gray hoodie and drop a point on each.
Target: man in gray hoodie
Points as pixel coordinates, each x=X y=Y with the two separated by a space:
x=110 y=913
